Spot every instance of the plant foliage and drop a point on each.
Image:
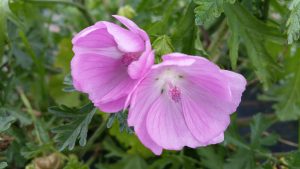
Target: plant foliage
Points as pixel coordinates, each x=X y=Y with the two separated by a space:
x=43 y=122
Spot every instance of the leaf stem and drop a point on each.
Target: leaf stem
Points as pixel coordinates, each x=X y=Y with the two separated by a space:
x=31 y=112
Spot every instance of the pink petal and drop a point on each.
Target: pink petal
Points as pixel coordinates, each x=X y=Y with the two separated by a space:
x=146 y=140
x=237 y=84
x=132 y=26
x=202 y=72
x=217 y=139
x=98 y=76
x=138 y=68
x=176 y=62
x=201 y=63
x=111 y=52
x=121 y=89
x=141 y=100
x=203 y=116
x=167 y=127
x=112 y=106
x=127 y=41
x=95 y=36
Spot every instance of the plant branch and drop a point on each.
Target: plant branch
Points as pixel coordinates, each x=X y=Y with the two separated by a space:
x=283 y=141
x=217 y=41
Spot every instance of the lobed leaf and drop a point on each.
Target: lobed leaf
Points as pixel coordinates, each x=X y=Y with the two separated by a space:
x=293 y=23
x=68 y=134
x=6 y=121
x=251 y=31
x=208 y=10
x=163 y=45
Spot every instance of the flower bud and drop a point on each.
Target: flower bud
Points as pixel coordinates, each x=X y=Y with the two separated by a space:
x=127 y=11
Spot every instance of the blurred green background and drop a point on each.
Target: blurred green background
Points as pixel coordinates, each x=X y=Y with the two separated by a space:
x=45 y=124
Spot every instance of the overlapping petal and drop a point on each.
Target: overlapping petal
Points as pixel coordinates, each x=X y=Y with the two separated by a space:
x=100 y=67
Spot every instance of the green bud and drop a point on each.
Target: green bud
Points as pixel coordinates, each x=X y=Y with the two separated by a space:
x=127 y=11
x=163 y=45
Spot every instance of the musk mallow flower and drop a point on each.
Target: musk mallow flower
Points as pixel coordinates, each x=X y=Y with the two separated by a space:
x=184 y=101
x=109 y=60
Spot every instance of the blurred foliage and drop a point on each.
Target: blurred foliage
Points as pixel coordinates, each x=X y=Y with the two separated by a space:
x=42 y=117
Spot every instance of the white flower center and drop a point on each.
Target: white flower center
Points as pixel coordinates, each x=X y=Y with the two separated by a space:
x=169 y=81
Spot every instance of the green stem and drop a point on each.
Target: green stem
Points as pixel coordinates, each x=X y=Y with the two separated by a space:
x=94 y=137
x=217 y=41
x=80 y=7
x=31 y=112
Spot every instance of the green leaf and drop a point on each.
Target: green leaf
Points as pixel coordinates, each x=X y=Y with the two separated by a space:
x=233 y=44
x=186 y=34
x=68 y=81
x=293 y=23
x=211 y=158
x=68 y=134
x=252 y=32
x=163 y=45
x=208 y=10
x=258 y=125
x=287 y=92
x=242 y=159
x=6 y=121
x=42 y=131
x=293 y=160
x=3 y=165
x=73 y=163
x=2 y=27
x=32 y=150
x=128 y=162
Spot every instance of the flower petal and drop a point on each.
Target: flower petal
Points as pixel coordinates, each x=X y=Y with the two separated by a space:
x=141 y=100
x=167 y=127
x=127 y=41
x=112 y=106
x=95 y=36
x=217 y=139
x=201 y=64
x=205 y=119
x=237 y=84
x=146 y=140
x=138 y=68
x=98 y=76
x=132 y=26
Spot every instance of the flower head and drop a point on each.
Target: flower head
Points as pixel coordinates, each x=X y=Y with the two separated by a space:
x=109 y=60
x=184 y=101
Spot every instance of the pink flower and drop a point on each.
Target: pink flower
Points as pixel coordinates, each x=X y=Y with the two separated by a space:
x=184 y=101
x=109 y=60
